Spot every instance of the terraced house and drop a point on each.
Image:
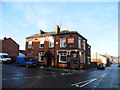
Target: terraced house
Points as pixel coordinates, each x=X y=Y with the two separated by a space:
x=60 y=48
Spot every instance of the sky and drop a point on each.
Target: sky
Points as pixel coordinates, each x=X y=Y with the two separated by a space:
x=96 y=21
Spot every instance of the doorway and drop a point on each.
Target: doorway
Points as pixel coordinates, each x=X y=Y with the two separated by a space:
x=49 y=58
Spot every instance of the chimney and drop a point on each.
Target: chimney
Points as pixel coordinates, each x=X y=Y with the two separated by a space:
x=5 y=38
x=41 y=32
x=57 y=30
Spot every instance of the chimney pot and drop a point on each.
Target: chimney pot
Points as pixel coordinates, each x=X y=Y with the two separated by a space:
x=5 y=38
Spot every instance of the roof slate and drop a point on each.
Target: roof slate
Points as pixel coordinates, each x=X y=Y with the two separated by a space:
x=51 y=33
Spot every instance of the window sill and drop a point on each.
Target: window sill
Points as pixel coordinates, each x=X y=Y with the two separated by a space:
x=63 y=62
x=41 y=48
x=63 y=47
x=51 y=47
x=40 y=61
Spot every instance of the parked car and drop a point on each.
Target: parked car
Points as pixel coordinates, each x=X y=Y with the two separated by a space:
x=101 y=66
x=26 y=61
x=4 y=58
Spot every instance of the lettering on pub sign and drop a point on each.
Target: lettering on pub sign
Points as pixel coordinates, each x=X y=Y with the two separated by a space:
x=70 y=40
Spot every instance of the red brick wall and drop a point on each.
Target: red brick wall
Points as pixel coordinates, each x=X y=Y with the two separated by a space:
x=10 y=47
x=36 y=45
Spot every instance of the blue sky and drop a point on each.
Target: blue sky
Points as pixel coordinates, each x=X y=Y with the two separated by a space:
x=96 y=21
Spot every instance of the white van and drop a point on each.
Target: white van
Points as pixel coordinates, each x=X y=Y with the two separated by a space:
x=5 y=58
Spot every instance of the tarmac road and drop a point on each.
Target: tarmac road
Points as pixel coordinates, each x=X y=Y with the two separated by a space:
x=49 y=77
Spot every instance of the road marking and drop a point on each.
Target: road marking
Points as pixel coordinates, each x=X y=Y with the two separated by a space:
x=38 y=76
x=27 y=77
x=68 y=73
x=23 y=68
x=62 y=73
x=88 y=82
x=15 y=78
x=54 y=75
x=103 y=75
x=80 y=82
x=100 y=80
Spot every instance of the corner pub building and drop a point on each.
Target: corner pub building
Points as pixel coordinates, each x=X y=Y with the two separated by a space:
x=60 y=48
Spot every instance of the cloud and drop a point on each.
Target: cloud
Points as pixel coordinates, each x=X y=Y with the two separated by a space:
x=6 y=24
x=43 y=25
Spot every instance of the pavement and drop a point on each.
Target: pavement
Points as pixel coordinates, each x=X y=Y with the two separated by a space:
x=66 y=70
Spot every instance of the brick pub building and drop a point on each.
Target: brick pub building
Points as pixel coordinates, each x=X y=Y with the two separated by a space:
x=60 y=48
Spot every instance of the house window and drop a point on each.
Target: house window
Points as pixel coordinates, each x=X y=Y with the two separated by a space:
x=62 y=42
x=30 y=44
x=51 y=42
x=41 y=57
x=79 y=42
x=63 y=57
x=42 y=42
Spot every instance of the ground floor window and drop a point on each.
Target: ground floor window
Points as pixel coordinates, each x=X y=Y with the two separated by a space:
x=63 y=57
x=41 y=57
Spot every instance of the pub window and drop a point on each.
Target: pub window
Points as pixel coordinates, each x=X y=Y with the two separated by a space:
x=62 y=42
x=41 y=57
x=41 y=42
x=63 y=57
x=84 y=44
x=79 y=42
x=30 y=44
x=51 y=42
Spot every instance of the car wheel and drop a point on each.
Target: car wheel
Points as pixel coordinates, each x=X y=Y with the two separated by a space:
x=27 y=65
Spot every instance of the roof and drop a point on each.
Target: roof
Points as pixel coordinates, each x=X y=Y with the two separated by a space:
x=54 y=34
x=9 y=39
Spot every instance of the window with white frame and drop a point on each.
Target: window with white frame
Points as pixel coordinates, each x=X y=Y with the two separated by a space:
x=42 y=42
x=51 y=42
x=62 y=42
x=84 y=46
x=63 y=57
x=41 y=57
x=30 y=44
x=79 y=42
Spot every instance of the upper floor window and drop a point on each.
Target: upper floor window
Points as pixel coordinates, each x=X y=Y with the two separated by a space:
x=62 y=42
x=51 y=42
x=42 y=42
x=79 y=42
x=30 y=44
x=84 y=45
x=88 y=49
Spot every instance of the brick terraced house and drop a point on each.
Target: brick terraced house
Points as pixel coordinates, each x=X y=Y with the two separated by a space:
x=8 y=45
x=60 y=48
